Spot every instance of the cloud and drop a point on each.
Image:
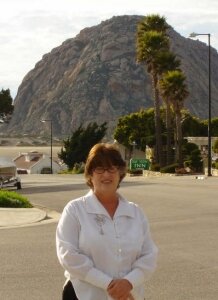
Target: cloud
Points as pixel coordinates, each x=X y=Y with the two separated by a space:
x=25 y=39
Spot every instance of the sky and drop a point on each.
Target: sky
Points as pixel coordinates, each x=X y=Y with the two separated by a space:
x=30 y=29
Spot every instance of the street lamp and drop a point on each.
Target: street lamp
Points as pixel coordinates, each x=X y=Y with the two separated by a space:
x=134 y=144
x=192 y=35
x=44 y=121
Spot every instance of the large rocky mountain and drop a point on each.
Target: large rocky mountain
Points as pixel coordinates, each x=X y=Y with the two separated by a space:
x=95 y=77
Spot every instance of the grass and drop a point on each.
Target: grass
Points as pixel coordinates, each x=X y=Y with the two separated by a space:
x=13 y=200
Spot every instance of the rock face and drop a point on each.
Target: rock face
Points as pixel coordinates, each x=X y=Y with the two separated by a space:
x=95 y=77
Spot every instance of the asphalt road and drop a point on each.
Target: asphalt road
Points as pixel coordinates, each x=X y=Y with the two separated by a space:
x=183 y=214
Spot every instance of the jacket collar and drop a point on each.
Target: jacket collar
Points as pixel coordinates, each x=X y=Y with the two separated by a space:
x=94 y=206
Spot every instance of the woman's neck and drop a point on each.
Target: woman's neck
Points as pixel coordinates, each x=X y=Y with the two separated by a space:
x=109 y=201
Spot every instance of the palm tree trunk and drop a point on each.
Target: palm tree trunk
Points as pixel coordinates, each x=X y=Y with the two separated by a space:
x=158 y=137
x=179 y=158
x=169 y=133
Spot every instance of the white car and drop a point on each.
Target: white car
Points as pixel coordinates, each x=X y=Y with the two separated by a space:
x=8 y=173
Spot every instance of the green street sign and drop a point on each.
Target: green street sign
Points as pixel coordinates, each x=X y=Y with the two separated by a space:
x=139 y=164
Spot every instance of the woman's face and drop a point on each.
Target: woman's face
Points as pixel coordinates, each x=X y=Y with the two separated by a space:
x=105 y=180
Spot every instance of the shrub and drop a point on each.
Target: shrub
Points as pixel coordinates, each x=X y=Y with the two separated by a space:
x=13 y=199
x=78 y=168
x=169 y=169
x=192 y=157
x=65 y=172
x=215 y=164
x=135 y=172
x=155 y=167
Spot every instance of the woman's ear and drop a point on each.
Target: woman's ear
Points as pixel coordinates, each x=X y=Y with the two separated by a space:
x=90 y=181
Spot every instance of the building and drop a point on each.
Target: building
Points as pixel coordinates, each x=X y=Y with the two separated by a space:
x=202 y=143
x=127 y=154
x=36 y=163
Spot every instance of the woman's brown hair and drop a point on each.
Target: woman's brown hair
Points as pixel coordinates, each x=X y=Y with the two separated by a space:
x=104 y=155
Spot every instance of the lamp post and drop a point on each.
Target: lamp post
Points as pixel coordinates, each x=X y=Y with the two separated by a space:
x=133 y=148
x=44 y=121
x=192 y=35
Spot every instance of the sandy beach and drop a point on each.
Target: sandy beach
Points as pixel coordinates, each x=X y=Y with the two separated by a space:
x=14 y=151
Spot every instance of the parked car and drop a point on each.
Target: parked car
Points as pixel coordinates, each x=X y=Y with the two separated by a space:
x=8 y=173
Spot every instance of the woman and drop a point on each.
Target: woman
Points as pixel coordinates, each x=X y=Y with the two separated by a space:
x=103 y=241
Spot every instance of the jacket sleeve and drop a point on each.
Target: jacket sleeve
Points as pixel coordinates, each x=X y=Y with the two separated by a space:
x=145 y=264
x=72 y=260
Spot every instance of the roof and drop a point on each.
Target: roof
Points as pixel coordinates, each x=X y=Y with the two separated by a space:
x=22 y=163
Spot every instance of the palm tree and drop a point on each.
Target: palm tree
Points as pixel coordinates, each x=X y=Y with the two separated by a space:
x=149 y=45
x=152 y=22
x=162 y=62
x=168 y=62
x=174 y=89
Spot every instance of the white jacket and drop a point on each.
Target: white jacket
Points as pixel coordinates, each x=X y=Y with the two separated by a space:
x=93 y=248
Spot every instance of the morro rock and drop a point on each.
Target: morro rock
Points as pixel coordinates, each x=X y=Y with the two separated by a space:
x=95 y=77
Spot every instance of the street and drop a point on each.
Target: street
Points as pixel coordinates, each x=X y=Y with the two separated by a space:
x=183 y=215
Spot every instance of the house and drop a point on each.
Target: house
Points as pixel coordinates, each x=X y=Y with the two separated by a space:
x=127 y=154
x=36 y=163
x=202 y=143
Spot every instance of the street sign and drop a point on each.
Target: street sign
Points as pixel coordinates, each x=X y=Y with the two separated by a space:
x=139 y=164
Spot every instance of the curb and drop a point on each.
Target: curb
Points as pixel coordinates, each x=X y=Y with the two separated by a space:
x=20 y=216
x=23 y=217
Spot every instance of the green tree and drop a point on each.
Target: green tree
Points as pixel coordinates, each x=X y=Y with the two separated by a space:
x=214 y=126
x=193 y=126
x=192 y=157
x=138 y=127
x=215 y=146
x=174 y=88
x=77 y=147
x=6 y=105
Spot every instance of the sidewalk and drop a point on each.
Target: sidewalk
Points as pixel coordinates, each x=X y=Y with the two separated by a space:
x=13 y=217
